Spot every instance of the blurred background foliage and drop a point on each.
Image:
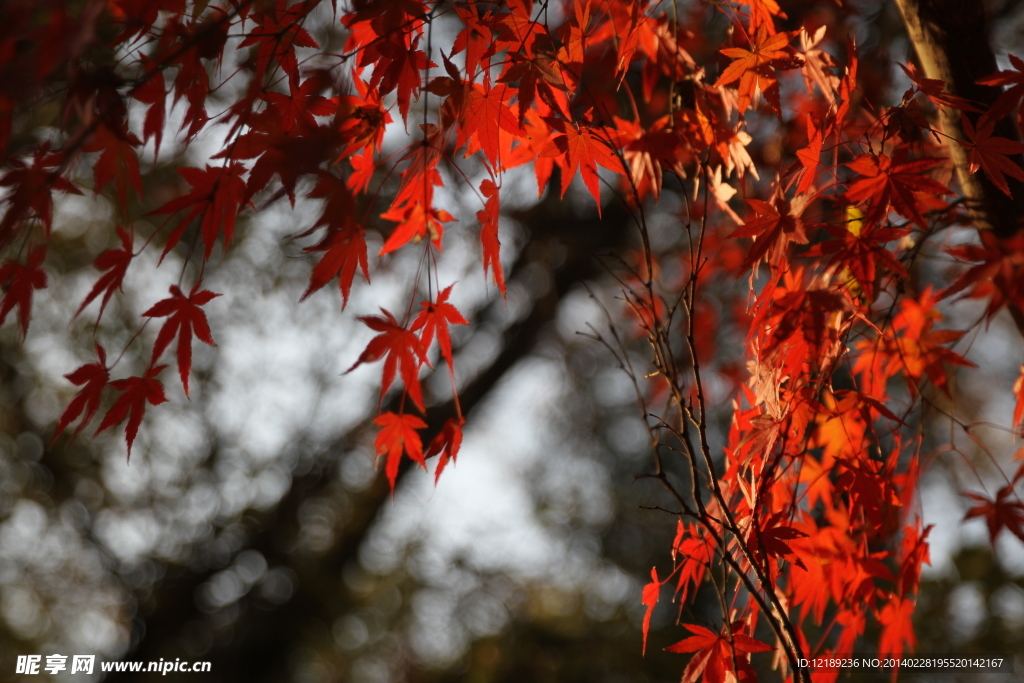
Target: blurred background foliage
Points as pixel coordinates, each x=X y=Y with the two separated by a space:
x=251 y=530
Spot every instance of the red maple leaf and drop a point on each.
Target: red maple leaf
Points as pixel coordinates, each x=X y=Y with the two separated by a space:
x=775 y=225
x=650 y=599
x=630 y=27
x=93 y=378
x=286 y=153
x=476 y=38
x=489 y=233
x=344 y=243
x=414 y=223
x=397 y=435
x=996 y=275
x=847 y=87
x=517 y=28
x=216 y=196
x=697 y=553
x=400 y=69
x=913 y=553
x=363 y=168
x=583 y=148
x=19 y=281
x=1009 y=100
x=716 y=654
x=1005 y=512
x=398 y=347
x=447 y=443
x=32 y=190
x=772 y=537
x=540 y=139
x=991 y=153
x=154 y=93
x=385 y=18
x=648 y=147
x=421 y=175
x=434 y=319
x=118 y=162
x=279 y=32
x=869 y=489
x=539 y=75
x=360 y=120
x=301 y=104
x=809 y=157
x=897 y=623
x=1018 y=410
x=115 y=262
x=136 y=393
x=486 y=113
x=934 y=90
x=574 y=35
x=861 y=252
x=197 y=41
x=893 y=181
x=344 y=251
x=135 y=16
x=184 y=316
x=481 y=110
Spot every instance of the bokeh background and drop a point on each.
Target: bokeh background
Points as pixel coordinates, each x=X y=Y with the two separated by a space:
x=251 y=529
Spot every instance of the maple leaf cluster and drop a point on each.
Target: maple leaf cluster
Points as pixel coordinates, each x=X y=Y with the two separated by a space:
x=808 y=504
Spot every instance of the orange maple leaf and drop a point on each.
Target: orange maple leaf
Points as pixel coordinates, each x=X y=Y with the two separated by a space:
x=763 y=49
x=761 y=13
x=918 y=349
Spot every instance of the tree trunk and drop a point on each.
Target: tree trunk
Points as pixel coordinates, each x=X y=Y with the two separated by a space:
x=951 y=40
x=952 y=45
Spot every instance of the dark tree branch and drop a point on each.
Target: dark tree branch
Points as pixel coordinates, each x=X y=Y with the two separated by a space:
x=260 y=644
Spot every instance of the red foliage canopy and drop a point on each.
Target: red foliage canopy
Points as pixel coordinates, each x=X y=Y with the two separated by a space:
x=814 y=484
